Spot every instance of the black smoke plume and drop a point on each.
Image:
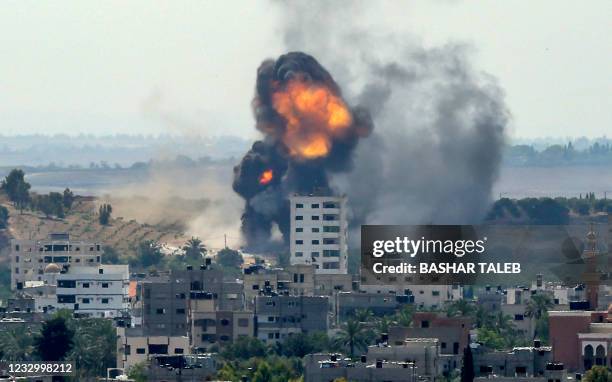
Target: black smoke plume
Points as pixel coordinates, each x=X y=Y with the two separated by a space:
x=278 y=165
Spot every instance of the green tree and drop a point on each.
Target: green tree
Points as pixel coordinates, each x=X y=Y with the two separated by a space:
x=194 y=249
x=459 y=308
x=244 y=348
x=4 y=217
x=537 y=307
x=148 y=254
x=16 y=188
x=404 y=316
x=229 y=258
x=138 y=372
x=110 y=255
x=383 y=324
x=598 y=374
x=55 y=340
x=105 y=212
x=363 y=315
x=300 y=344
x=94 y=348
x=263 y=373
x=16 y=345
x=352 y=336
x=67 y=199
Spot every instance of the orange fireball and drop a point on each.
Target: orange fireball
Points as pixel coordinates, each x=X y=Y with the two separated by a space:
x=314 y=117
x=266 y=177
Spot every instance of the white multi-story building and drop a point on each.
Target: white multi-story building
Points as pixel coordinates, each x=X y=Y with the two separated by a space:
x=30 y=257
x=319 y=232
x=101 y=291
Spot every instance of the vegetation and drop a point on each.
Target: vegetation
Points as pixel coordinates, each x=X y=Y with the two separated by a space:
x=467 y=368
x=549 y=211
x=55 y=340
x=229 y=258
x=537 y=308
x=353 y=337
x=598 y=374
x=104 y=214
x=16 y=188
x=4 y=217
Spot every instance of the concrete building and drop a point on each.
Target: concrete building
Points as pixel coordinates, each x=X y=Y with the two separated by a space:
x=100 y=291
x=452 y=332
x=521 y=362
x=295 y=280
x=424 y=296
x=280 y=316
x=576 y=337
x=30 y=257
x=424 y=353
x=346 y=303
x=135 y=346
x=167 y=298
x=330 y=367
x=319 y=232
x=210 y=326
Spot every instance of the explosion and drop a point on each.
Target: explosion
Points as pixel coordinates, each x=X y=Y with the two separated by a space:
x=309 y=131
x=266 y=177
x=314 y=115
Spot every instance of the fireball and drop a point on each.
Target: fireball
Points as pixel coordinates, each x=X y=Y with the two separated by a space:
x=266 y=177
x=314 y=117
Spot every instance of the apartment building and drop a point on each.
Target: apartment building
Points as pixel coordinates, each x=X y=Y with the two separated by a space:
x=280 y=316
x=134 y=346
x=101 y=291
x=210 y=326
x=30 y=257
x=319 y=232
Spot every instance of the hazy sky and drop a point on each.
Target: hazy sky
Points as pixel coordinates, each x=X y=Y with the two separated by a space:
x=151 y=67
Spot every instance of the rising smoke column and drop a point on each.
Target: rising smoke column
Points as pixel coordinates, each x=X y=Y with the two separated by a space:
x=309 y=132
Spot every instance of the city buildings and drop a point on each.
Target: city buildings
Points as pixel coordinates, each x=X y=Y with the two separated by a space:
x=30 y=257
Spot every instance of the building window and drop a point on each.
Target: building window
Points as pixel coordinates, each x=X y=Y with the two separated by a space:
x=330 y=241
x=180 y=311
x=330 y=205
x=17 y=248
x=104 y=301
x=315 y=217
x=519 y=317
x=315 y=229
x=85 y=301
x=331 y=265
x=178 y=350
x=299 y=229
x=104 y=285
x=160 y=311
x=140 y=350
x=331 y=253
x=299 y=217
x=224 y=322
x=315 y=205
x=85 y=285
x=298 y=242
x=301 y=277
x=66 y=284
x=435 y=292
x=299 y=254
x=243 y=322
x=315 y=242
x=299 y=205
x=314 y=254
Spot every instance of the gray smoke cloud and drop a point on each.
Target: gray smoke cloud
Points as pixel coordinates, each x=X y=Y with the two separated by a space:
x=437 y=148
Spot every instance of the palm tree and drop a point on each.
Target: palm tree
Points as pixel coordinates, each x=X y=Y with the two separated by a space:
x=382 y=325
x=353 y=336
x=503 y=323
x=16 y=345
x=363 y=315
x=537 y=308
x=459 y=308
x=194 y=248
x=538 y=304
x=482 y=316
x=404 y=316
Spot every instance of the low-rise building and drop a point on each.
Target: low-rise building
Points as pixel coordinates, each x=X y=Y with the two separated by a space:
x=280 y=316
x=135 y=346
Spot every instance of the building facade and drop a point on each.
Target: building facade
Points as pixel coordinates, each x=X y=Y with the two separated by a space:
x=30 y=257
x=319 y=232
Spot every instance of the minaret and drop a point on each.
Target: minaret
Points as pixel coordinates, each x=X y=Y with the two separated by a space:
x=591 y=277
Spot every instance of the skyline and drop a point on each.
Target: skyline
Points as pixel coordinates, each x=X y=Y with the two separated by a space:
x=190 y=68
